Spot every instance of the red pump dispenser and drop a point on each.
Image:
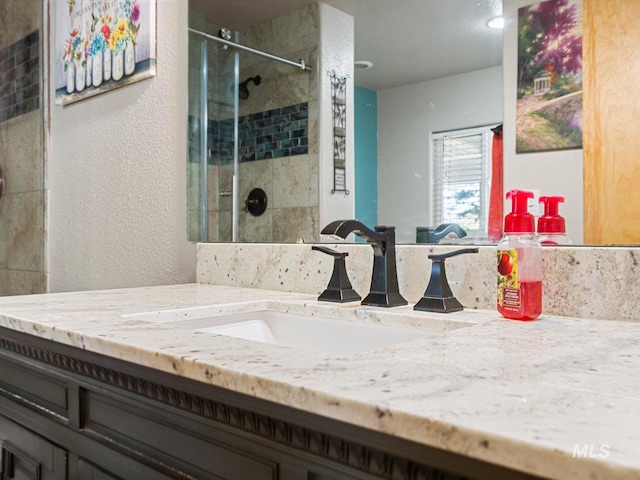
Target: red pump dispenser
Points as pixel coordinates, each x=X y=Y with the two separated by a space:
x=519 y=262
x=551 y=227
x=519 y=220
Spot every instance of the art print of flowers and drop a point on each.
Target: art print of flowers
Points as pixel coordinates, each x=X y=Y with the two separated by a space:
x=129 y=13
x=70 y=47
x=97 y=36
x=119 y=37
x=105 y=31
x=98 y=44
x=73 y=49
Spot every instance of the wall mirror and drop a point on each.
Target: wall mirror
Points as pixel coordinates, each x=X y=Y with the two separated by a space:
x=431 y=65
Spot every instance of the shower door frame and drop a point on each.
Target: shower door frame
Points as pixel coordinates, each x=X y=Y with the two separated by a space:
x=204 y=140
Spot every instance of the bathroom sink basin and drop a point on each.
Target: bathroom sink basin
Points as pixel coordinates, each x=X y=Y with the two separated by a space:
x=308 y=332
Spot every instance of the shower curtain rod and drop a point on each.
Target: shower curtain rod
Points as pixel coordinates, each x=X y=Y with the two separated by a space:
x=302 y=65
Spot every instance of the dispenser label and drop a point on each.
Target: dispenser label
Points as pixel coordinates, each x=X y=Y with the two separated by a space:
x=509 y=294
x=511 y=298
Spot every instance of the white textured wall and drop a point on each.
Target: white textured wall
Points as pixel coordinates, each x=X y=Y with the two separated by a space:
x=336 y=54
x=552 y=173
x=117 y=177
x=406 y=117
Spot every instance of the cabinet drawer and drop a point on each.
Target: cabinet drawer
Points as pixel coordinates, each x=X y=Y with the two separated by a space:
x=26 y=455
x=27 y=383
x=152 y=435
x=88 y=471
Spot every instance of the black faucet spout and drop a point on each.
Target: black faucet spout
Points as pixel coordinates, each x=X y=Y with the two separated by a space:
x=342 y=228
x=447 y=228
x=434 y=235
x=385 y=291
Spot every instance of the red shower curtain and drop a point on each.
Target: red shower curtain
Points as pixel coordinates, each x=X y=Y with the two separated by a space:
x=496 y=201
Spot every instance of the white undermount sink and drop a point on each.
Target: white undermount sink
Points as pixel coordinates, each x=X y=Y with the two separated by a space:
x=308 y=332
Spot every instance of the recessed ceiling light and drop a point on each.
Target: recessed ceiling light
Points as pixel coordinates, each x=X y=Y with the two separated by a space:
x=496 y=22
x=363 y=64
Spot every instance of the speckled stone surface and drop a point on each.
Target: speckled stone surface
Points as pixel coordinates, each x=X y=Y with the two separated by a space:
x=521 y=395
x=581 y=282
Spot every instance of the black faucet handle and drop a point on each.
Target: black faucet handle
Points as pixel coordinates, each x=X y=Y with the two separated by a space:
x=330 y=251
x=438 y=297
x=339 y=288
x=444 y=256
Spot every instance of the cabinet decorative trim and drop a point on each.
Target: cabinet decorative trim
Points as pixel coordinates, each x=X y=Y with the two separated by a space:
x=352 y=454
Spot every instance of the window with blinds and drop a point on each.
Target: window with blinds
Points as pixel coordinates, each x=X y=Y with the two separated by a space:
x=461 y=172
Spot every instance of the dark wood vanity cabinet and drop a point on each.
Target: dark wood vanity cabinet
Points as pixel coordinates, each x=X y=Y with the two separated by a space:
x=66 y=413
x=26 y=455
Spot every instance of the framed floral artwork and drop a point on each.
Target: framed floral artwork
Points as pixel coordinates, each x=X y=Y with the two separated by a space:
x=549 y=105
x=102 y=45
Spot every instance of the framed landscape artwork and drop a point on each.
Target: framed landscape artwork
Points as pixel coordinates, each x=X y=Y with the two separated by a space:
x=549 y=105
x=102 y=45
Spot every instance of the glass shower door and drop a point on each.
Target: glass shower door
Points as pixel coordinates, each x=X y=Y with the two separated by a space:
x=212 y=109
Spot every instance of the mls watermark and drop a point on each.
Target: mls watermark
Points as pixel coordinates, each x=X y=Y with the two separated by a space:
x=591 y=450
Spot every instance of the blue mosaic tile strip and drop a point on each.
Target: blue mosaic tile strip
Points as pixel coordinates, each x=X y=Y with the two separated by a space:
x=281 y=132
x=20 y=77
x=276 y=133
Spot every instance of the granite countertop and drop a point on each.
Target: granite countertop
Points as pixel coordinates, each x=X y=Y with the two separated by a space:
x=522 y=395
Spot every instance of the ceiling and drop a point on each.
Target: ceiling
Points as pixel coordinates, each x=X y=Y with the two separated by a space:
x=408 y=41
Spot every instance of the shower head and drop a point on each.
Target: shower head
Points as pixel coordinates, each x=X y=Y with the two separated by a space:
x=243 y=89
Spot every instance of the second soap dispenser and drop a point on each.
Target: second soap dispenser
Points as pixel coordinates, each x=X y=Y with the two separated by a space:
x=551 y=225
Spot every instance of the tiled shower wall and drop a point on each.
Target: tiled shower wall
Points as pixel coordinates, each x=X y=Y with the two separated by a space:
x=278 y=137
x=22 y=242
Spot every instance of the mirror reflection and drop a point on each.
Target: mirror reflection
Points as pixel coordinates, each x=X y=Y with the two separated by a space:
x=249 y=127
x=427 y=76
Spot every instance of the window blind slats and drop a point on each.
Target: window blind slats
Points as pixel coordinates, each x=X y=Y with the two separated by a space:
x=461 y=165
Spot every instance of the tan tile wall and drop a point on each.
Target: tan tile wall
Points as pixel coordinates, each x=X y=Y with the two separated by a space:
x=22 y=207
x=291 y=183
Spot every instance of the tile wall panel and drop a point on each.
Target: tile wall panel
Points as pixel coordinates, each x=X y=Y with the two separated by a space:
x=22 y=207
x=20 y=77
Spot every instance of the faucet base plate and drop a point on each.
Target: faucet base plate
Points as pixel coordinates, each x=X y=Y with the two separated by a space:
x=393 y=299
x=440 y=305
x=339 y=295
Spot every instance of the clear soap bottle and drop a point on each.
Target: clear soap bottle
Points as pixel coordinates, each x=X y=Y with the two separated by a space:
x=551 y=226
x=519 y=263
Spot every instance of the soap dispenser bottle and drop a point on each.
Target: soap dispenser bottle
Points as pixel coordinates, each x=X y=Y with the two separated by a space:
x=551 y=228
x=519 y=262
